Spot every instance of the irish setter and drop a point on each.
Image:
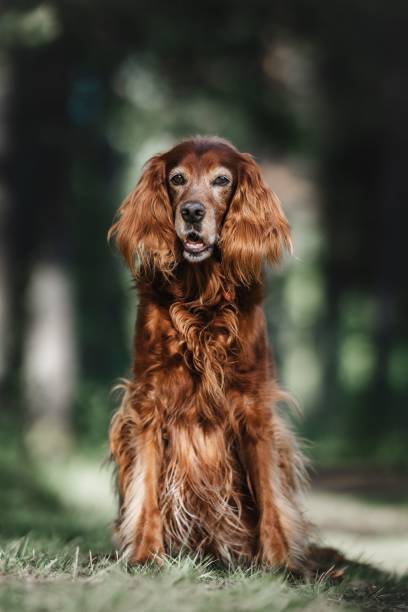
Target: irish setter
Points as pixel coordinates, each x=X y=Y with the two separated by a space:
x=205 y=461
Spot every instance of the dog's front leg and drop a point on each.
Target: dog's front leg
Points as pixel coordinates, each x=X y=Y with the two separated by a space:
x=137 y=454
x=263 y=474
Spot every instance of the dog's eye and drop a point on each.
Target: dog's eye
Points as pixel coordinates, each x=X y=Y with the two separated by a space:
x=178 y=179
x=220 y=181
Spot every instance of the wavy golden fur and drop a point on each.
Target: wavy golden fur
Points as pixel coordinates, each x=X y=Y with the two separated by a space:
x=205 y=462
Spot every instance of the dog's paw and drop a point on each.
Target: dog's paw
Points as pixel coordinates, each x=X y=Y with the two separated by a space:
x=273 y=551
x=149 y=550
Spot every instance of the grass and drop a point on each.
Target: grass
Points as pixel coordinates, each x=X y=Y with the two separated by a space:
x=41 y=576
x=44 y=575
x=55 y=554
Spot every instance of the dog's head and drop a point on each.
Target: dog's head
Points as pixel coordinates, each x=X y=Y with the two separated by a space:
x=199 y=200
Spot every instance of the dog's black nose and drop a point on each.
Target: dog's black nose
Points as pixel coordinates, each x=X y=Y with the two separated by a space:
x=192 y=212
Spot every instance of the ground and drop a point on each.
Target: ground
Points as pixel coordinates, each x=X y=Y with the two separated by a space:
x=54 y=554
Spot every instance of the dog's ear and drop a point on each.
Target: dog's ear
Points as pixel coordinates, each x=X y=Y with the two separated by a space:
x=144 y=232
x=255 y=228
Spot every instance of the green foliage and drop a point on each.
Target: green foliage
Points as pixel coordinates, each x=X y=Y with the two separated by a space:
x=31 y=505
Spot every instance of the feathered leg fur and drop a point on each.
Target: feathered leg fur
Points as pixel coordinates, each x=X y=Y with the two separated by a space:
x=137 y=453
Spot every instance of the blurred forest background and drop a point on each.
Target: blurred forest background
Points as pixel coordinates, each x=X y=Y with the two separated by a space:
x=316 y=90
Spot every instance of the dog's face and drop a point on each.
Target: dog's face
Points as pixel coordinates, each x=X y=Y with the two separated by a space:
x=200 y=195
x=200 y=186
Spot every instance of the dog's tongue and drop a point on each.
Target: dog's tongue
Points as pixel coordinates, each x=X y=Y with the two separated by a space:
x=194 y=246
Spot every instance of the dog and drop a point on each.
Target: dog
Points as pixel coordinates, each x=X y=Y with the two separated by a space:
x=205 y=462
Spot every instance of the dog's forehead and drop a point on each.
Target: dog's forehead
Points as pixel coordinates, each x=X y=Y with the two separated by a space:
x=199 y=157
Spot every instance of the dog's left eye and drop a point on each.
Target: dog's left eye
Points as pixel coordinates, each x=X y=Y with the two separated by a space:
x=220 y=181
x=178 y=179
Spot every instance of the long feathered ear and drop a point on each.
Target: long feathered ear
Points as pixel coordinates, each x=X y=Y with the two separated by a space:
x=144 y=231
x=255 y=227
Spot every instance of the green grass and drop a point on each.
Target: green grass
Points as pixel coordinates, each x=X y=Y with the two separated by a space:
x=42 y=576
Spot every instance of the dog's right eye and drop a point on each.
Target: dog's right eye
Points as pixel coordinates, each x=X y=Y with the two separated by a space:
x=178 y=179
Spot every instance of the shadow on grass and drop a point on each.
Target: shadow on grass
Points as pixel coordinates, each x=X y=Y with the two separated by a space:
x=366 y=587
x=358 y=585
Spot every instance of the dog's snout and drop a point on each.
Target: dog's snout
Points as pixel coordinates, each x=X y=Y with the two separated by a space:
x=192 y=212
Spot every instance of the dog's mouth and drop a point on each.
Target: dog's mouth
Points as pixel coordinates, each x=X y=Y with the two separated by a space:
x=195 y=249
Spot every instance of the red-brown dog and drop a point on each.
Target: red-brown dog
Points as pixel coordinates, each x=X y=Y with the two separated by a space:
x=205 y=462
